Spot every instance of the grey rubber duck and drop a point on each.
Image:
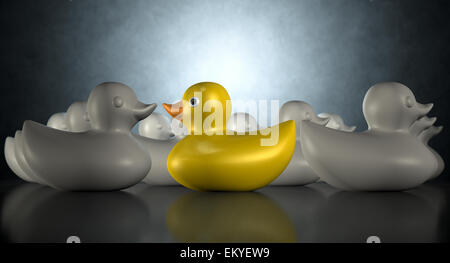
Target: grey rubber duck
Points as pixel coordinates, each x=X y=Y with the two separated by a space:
x=156 y=126
x=298 y=171
x=77 y=118
x=389 y=156
x=336 y=122
x=157 y=135
x=106 y=157
x=58 y=121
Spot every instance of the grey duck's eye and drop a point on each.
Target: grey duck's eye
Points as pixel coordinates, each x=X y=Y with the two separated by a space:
x=409 y=102
x=308 y=116
x=118 y=102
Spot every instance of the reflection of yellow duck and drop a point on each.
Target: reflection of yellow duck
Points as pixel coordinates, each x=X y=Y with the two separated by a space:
x=214 y=159
x=228 y=217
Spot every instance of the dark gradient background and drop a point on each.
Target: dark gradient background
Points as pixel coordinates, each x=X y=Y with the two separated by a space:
x=326 y=52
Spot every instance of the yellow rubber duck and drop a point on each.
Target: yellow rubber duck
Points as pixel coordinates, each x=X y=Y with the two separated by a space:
x=211 y=158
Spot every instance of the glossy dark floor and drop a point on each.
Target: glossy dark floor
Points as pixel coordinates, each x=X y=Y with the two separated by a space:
x=317 y=213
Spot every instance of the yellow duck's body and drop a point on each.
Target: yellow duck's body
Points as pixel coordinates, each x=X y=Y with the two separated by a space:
x=226 y=162
x=230 y=162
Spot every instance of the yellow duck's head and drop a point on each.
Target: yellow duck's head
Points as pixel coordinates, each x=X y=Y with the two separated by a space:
x=204 y=109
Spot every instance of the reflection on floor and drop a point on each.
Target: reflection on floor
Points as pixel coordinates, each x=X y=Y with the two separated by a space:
x=316 y=213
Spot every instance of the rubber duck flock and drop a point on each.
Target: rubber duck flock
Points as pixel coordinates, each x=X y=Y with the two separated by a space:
x=91 y=146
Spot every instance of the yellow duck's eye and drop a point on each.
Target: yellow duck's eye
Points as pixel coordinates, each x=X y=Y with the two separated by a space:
x=194 y=101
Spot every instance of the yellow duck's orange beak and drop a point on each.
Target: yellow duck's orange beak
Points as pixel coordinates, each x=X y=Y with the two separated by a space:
x=175 y=110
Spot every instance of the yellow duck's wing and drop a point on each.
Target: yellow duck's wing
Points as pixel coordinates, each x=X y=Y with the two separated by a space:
x=232 y=162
